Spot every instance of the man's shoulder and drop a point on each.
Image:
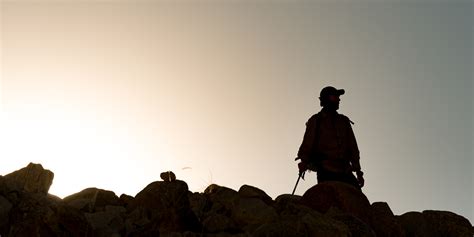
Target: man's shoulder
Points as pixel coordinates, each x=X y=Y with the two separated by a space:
x=313 y=119
x=345 y=118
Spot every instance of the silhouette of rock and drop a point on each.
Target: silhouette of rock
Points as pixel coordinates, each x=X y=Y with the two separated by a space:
x=92 y=200
x=168 y=176
x=168 y=208
x=32 y=178
x=384 y=222
x=296 y=219
x=222 y=199
x=38 y=215
x=125 y=200
x=435 y=223
x=167 y=204
x=247 y=191
x=339 y=195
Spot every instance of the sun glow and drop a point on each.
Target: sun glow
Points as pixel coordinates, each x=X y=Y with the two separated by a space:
x=82 y=153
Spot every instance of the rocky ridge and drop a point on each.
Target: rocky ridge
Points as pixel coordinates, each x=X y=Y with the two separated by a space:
x=168 y=208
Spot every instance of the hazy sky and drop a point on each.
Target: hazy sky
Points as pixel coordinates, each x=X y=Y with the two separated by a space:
x=109 y=94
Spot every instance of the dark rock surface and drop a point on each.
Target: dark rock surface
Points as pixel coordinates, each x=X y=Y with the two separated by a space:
x=340 y=195
x=168 y=208
x=33 y=178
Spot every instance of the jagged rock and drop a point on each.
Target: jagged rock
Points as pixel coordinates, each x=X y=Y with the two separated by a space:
x=168 y=176
x=92 y=200
x=383 y=221
x=347 y=198
x=166 y=205
x=247 y=191
x=435 y=223
x=33 y=178
x=167 y=208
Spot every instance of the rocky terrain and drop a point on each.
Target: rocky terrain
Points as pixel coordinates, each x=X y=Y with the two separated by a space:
x=168 y=208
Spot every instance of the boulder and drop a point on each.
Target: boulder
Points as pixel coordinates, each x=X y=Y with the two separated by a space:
x=296 y=219
x=92 y=200
x=383 y=222
x=415 y=225
x=33 y=178
x=448 y=224
x=435 y=223
x=345 y=197
x=247 y=191
x=166 y=205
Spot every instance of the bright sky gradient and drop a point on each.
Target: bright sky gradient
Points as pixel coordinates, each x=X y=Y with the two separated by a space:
x=109 y=94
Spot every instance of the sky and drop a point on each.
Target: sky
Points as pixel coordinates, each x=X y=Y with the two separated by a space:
x=109 y=94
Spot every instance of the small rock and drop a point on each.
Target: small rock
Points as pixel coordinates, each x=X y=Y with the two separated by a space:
x=168 y=176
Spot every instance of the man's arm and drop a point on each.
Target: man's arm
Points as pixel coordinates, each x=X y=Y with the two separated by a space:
x=353 y=148
x=355 y=155
x=306 y=149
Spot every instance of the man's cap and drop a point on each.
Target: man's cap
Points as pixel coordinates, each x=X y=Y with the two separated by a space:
x=329 y=90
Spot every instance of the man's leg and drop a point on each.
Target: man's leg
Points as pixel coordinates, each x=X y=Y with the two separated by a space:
x=348 y=178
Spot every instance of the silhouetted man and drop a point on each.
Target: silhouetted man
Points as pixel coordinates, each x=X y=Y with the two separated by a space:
x=329 y=146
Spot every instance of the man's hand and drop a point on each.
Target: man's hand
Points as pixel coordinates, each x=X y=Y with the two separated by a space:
x=302 y=166
x=360 y=178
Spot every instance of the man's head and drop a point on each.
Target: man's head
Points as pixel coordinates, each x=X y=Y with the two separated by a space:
x=329 y=97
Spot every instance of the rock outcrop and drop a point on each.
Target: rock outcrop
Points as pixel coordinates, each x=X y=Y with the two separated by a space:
x=168 y=208
x=33 y=178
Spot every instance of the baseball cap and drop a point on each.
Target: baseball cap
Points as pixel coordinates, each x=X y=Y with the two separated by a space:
x=329 y=90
